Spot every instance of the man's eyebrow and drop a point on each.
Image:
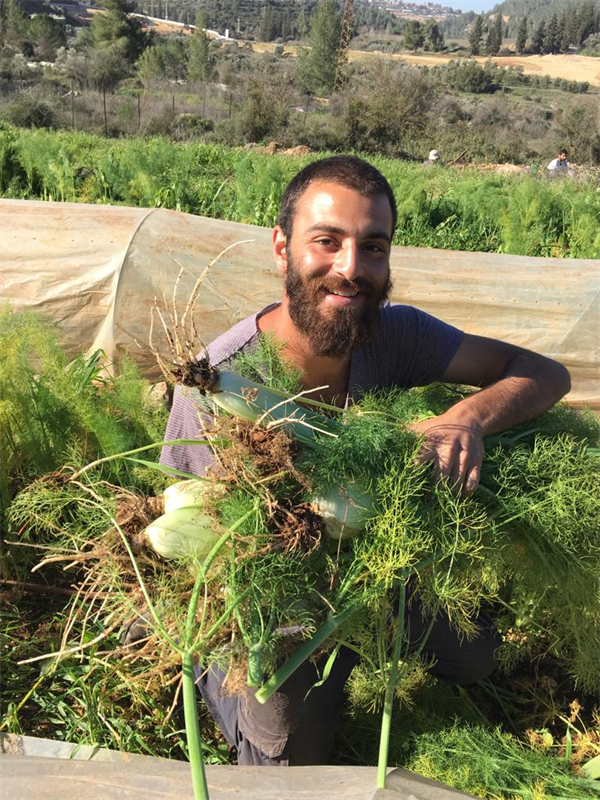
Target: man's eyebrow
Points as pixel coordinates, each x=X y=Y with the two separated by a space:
x=334 y=229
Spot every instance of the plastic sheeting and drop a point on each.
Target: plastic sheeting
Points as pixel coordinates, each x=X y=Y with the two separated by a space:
x=97 y=270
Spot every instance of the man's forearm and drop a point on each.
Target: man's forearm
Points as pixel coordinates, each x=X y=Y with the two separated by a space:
x=529 y=386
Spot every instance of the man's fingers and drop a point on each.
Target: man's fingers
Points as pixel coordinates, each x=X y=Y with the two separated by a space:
x=472 y=480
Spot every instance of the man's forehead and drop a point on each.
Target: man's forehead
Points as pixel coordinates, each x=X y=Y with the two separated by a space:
x=322 y=198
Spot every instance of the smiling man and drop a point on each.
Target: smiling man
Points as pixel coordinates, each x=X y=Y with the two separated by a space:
x=333 y=244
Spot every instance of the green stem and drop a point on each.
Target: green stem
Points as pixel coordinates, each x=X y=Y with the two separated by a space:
x=333 y=622
x=386 y=722
x=192 y=728
x=106 y=459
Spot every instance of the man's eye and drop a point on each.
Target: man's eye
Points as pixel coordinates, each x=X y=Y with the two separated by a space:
x=325 y=240
x=373 y=247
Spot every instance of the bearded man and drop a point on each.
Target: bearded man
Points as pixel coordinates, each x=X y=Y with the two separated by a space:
x=333 y=244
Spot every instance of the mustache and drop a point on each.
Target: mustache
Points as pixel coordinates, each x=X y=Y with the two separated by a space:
x=344 y=285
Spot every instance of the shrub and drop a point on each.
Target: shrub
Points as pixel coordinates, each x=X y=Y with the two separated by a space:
x=30 y=111
x=466 y=75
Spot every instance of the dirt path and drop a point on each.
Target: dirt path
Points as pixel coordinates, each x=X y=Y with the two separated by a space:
x=570 y=67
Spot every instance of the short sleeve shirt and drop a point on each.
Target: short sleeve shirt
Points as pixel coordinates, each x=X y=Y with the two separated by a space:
x=410 y=348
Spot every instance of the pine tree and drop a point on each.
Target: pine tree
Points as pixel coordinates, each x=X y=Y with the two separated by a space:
x=414 y=35
x=434 y=38
x=552 y=36
x=116 y=26
x=588 y=20
x=475 y=35
x=200 y=61
x=521 y=42
x=319 y=63
x=538 y=38
x=494 y=39
x=14 y=23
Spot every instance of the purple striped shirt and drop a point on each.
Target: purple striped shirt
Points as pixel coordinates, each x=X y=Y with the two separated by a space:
x=410 y=348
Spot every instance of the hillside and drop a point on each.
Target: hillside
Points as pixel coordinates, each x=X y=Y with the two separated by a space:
x=536 y=10
x=583 y=15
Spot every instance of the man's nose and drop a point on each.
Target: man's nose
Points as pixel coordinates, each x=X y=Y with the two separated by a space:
x=348 y=262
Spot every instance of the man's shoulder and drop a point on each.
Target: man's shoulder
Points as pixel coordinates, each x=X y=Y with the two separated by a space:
x=241 y=335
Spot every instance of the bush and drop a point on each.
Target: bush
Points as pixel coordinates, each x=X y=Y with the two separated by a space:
x=30 y=111
x=465 y=75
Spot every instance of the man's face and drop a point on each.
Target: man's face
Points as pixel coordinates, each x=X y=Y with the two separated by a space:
x=562 y=156
x=336 y=266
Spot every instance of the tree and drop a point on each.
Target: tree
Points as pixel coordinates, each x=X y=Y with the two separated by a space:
x=150 y=65
x=552 y=37
x=414 y=35
x=434 y=38
x=48 y=35
x=14 y=23
x=494 y=39
x=521 y=42
x=268 y=25
x=116 y=26
x=475 y=35
x=392 y=106
x=538 y=38
x=201 y=62
x=73 y=65
x=319 y=63
x=264 y=111
x=108 y=67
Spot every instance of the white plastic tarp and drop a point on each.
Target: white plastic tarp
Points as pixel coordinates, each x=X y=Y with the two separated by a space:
x=98 y=269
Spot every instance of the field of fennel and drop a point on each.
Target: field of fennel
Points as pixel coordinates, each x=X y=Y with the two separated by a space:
x=443 y=208
x=314 y=527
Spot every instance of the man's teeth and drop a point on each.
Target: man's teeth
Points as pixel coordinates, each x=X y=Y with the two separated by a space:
x=344 y=294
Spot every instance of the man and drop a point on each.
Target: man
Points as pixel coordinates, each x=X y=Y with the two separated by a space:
x=432 y=159
x=559 y=165
x=333 y=244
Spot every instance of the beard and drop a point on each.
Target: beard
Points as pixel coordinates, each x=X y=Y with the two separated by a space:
x=343 y=329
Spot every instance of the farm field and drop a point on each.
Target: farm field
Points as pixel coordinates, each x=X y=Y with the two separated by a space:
x=570 y=67
x=444 y=208
x=69 y=506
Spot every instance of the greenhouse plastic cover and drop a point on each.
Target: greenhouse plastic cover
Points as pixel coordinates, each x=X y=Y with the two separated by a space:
x=41 y=769
x=97 y=270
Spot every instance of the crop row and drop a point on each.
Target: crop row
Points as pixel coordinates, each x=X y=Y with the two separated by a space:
x=443 y=207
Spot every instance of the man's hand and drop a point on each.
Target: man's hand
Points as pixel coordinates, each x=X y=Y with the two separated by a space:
x=456 y=451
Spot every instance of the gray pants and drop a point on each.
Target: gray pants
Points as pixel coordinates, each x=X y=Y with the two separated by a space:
x=293 y=729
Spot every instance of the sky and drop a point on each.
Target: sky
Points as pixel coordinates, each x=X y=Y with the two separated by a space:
x=470 y=5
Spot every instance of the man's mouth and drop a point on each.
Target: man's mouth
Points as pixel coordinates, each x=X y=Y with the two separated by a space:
x=344 y=292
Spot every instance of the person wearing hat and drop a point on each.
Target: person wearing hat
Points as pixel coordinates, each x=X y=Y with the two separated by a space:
x=433 y=158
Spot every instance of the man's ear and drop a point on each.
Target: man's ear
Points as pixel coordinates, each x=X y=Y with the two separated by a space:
x=279 y=249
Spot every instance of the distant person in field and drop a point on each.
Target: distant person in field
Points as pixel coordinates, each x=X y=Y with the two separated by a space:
x=559 y=165
x=432 y=159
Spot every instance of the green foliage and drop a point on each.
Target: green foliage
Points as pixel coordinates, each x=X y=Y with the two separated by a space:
x=414 y=35
x=201 y=61
x=466 y=75
x=492 y=764
x=521 y=40
x=494 y=37
x=116 y=27
x=319 y=63
x=441 y=208
x=390 y=106
x=54 y=412
x=475 y=35
x=29 y=110
x=264 y=364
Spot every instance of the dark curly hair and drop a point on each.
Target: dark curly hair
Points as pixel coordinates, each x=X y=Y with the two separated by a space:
x=350 y=171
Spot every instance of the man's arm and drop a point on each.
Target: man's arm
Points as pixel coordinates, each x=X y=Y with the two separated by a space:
x=516 y=385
